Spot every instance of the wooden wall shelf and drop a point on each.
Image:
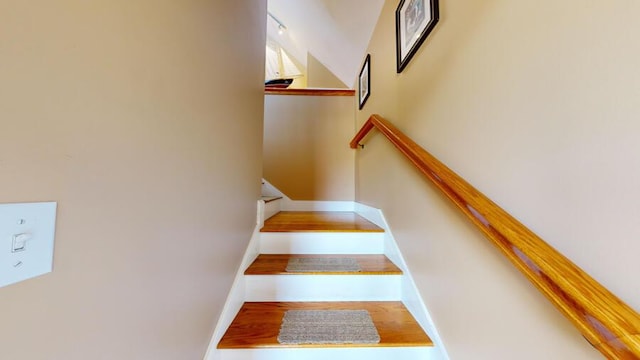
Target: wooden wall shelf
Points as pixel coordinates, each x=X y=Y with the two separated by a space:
x=310 y=92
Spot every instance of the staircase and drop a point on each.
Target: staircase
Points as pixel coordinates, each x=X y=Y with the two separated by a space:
x=341 y=266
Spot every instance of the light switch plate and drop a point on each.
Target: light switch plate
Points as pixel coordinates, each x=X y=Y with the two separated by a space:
x=27 y=234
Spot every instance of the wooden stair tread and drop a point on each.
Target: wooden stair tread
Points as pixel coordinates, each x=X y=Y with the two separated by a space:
x=276 y=264
x=257 y=324
x=319 y=221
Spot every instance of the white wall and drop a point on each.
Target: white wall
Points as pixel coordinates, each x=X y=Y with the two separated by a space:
x=318 y=76
x=149 y=137
x=336 y=33
x=535 y=103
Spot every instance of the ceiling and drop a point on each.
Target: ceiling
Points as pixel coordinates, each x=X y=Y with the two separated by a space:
x=336 y=32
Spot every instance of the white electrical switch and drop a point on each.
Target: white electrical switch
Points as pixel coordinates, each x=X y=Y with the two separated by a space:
x=26 y=240
x=20 y=242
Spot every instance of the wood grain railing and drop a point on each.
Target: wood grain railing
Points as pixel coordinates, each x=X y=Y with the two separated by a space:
x=606 y=322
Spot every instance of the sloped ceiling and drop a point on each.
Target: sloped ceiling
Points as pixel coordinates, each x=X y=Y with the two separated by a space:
x=336 y=32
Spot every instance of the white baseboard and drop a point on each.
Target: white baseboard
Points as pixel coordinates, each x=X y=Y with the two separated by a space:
x=236 y=297
x=267 y=210
x=370 y=213
x=271 y=208
x=261 y=214
x=269 y=190
x=410 y=293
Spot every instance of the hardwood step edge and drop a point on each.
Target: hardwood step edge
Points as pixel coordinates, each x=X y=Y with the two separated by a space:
x=355 y=273
x=257 y=324
x=316 y=346
x=322 y=230
x=319 y=221
x=275 y=264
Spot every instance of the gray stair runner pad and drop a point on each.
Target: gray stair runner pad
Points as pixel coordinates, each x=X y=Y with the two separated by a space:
x=301 y=327
x=323 y=265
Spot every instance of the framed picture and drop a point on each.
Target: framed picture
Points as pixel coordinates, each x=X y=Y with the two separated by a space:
x=364 y=82
x=415 y=19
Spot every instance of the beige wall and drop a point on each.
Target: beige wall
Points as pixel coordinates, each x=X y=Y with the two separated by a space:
x=536 y=104
x=149 y=137
x=306 y=146
x=321 y=77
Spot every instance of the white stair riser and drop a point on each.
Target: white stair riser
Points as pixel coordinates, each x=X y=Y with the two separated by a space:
x=357 y=353
x=323 y=287
x=297 y=205
x=322 y=243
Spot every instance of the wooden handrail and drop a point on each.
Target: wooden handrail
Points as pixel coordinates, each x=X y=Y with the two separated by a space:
x=609 y=324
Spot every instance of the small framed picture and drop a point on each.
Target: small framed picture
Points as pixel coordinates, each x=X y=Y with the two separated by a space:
x=364 y=82
x=415 y=19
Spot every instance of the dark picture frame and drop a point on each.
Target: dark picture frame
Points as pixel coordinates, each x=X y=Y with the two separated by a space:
x=414 y=22
x=364 y=82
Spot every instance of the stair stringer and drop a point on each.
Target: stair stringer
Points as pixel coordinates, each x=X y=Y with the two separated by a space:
x=410 y=294
x=267 y=210
x=237 y=294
